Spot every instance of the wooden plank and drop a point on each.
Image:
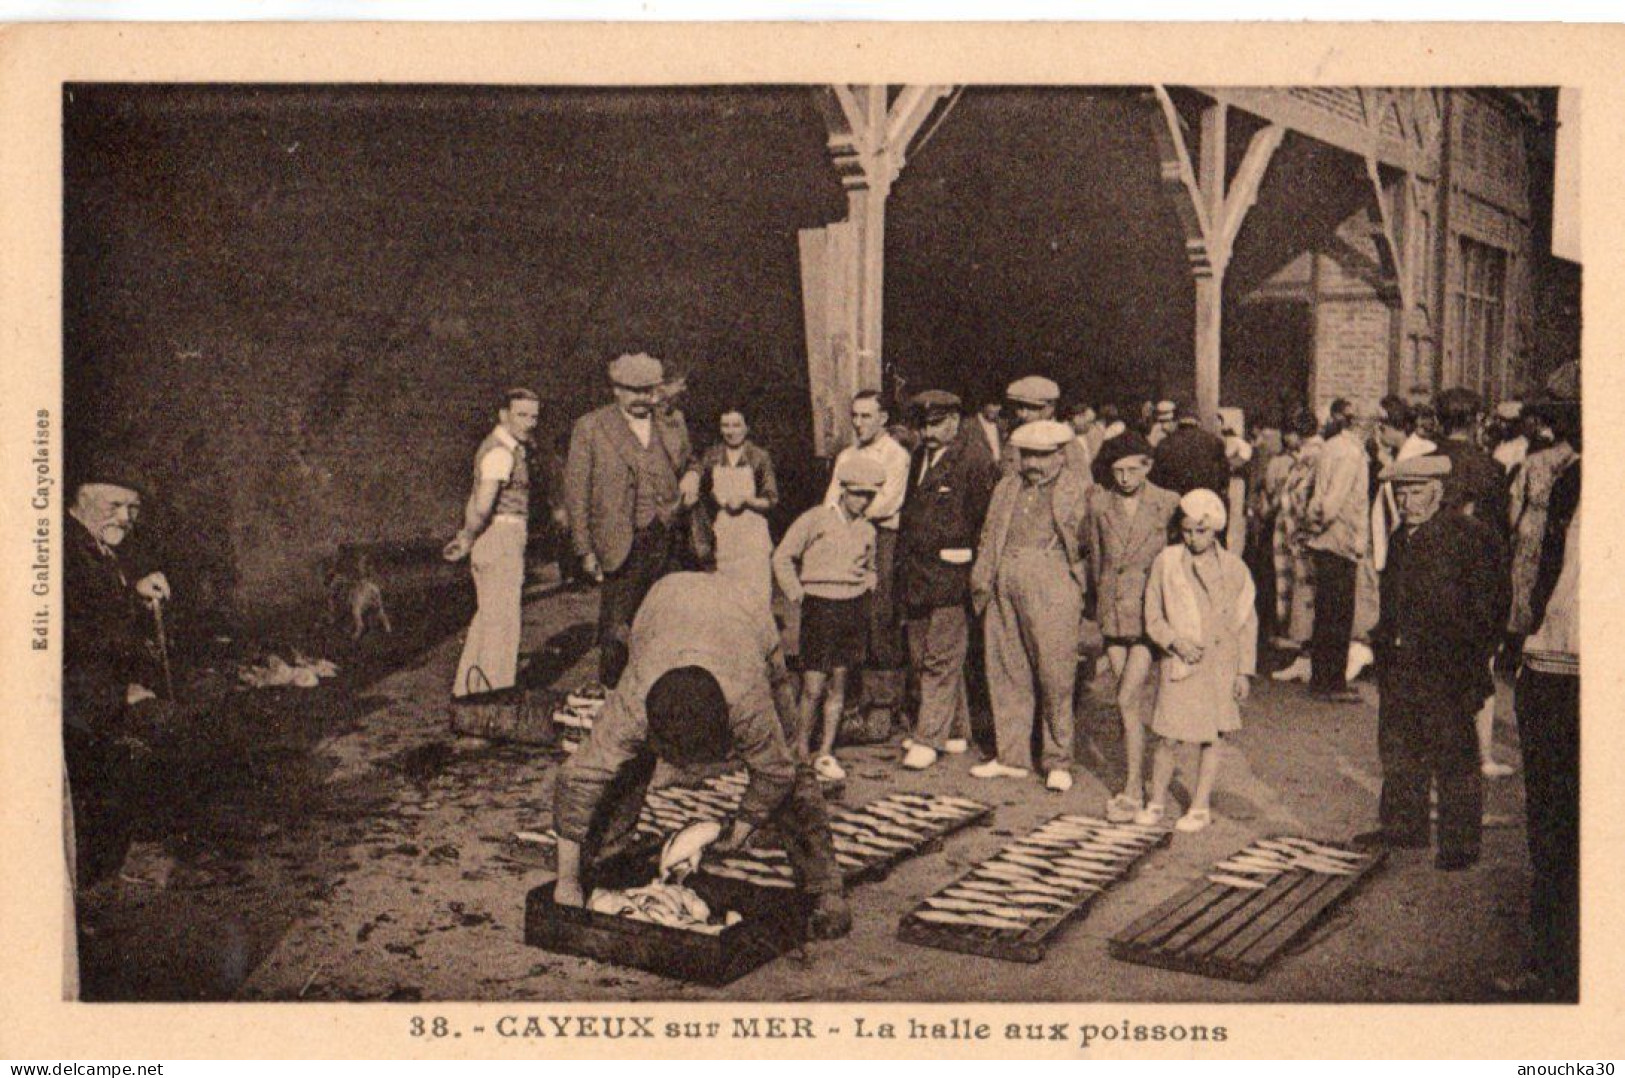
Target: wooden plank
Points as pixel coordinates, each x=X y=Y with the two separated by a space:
x=1279 y=107
x=1029 y=943
x=1236 y=933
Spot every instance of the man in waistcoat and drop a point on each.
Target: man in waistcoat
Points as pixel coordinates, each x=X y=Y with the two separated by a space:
x=493 y=539
x=624 y=483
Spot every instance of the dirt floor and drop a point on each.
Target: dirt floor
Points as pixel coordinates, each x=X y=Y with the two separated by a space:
x=340 y=844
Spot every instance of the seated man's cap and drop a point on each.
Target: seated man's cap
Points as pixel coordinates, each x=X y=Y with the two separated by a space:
x=1417 y=469
x=933 y=404
x=1033 y=390
x=860 y=473
x=1042 y=436
x=640 y=371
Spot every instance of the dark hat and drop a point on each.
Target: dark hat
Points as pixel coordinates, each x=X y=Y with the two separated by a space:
x=934 y=404
x=107 y=467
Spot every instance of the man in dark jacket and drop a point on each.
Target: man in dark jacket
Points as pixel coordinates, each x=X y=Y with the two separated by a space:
x=107 y=665
x=951 y=478
x=1191 y=457
x=1444 y=600
x=1477 y=484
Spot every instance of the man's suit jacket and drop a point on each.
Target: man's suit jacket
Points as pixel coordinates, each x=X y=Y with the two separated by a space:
x=1070 y=505
x=600 y=480
x=1130 y=545
x=944 y=512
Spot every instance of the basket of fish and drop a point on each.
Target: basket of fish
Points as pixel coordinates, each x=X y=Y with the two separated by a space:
x=1012 y=905
x=691 y=926
x=517 y=715
x=1249 y=909
x=869 y=841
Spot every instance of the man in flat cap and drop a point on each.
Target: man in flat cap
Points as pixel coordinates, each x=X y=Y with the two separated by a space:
x=1029 y=578
x=950 y=482
x=625 y=480
x=1443 y=606
x=492 y=537
x=111 y=589
x=1032 y=399
x=883 y=674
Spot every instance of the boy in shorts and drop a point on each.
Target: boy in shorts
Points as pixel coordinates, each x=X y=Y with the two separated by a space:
x=826 y=563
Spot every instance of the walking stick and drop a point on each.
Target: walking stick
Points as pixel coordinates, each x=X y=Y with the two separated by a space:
x=163 y=649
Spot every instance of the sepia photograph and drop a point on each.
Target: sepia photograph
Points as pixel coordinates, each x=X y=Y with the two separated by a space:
x=821 y=542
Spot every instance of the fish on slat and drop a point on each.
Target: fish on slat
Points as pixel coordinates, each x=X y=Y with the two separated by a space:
x=1327 y=851
x=1017 y=898
x=979 y=919
x=969 y=906
x=1029 y=860
x=885 y=827
x=1240 y=868
x=1236 y=881
x=1028 y=879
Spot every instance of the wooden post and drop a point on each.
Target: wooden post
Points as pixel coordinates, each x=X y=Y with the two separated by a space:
x=1211 y=209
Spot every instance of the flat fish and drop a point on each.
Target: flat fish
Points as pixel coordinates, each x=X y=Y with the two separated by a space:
x=1245 y=868
x=1018 y=898
x=1031 y=861
x=886 y=827
x=1331 y=852
x=1093 y=872
x=984 y=920
x=1281 y=849
x=1325 y=867
x=1236 y=881
x=1027 y=879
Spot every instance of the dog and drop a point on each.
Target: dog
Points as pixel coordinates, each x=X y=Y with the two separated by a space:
x=353 y=592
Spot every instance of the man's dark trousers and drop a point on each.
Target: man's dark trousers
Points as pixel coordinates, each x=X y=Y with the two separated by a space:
x=1334 y=622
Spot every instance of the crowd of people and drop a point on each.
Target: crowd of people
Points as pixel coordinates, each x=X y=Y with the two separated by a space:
x=991 y=559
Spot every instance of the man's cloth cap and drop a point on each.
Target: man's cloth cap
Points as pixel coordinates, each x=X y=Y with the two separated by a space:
x=1042 y=436
x=934 y=404
x=640 y=371
x=1033 y=389
x=860 y=473
x=1417 y=469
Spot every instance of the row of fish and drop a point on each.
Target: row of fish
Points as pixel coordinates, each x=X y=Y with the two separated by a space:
x=884 y=830
x=1256 y=866
x=669 y=809
x=1042 y=876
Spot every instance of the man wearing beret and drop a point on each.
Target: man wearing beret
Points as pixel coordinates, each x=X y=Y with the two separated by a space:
x=493 y=538
x=110 y=592
x=950 y=481
x=1033 y=399
x=1029 y=578
x=1443 y=604
x=625 y=480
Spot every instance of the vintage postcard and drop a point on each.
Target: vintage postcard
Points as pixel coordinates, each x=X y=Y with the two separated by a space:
x=1051 y=541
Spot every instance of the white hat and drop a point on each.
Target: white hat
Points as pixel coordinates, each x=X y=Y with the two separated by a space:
x=1042 y=436
x=1202 y=506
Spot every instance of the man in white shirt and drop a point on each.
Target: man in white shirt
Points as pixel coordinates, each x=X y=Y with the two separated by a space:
x=493 y=532
x=883 y=675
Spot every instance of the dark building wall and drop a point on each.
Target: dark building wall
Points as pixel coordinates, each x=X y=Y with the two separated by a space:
x=297 y=308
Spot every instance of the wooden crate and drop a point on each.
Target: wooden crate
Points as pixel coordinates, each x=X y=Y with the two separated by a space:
x=1233 y=933
x=772 y=923
x=1030 y=943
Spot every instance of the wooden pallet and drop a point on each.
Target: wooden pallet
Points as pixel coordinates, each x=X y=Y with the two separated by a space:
x=860 y=863
x=1217 y=930
x=1029 y=943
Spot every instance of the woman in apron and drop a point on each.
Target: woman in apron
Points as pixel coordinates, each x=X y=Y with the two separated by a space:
x=737 y=483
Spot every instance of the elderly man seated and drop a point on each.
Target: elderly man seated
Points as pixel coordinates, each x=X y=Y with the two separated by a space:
x=108 y=664
x=705 y=678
